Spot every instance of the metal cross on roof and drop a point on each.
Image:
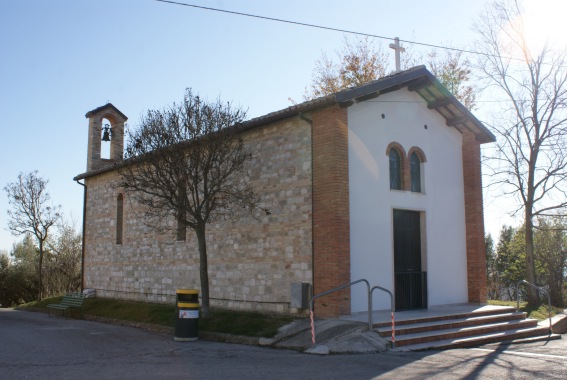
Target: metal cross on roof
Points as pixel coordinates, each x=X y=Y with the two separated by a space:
x=399 y=49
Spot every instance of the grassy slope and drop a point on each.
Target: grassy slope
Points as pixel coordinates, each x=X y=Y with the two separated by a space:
x=539 y=313
x=231 y=322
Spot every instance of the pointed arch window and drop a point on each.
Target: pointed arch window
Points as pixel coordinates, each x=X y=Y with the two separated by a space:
x=395 y=169
x=119 y=218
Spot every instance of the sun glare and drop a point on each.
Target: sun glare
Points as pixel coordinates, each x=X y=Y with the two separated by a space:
x=544 y=22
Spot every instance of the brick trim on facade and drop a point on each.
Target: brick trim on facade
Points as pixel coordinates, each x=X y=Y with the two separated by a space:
x=419 y=153
x=331 y=218
x=474 y=219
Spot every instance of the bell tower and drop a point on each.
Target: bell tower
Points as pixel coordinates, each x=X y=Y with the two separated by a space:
x=113 y=133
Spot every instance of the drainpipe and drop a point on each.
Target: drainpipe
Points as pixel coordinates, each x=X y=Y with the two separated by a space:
x=83 y=239
x=305 y=118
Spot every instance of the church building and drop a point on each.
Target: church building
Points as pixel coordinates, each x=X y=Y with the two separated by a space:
x=379 y=182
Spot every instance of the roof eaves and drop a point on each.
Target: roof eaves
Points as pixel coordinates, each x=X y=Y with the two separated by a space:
x=101 y=170
x=307 y=106
x=252 y=123
x=404 y=78
x=381 y=84
x=488 y=135
x=344 y=97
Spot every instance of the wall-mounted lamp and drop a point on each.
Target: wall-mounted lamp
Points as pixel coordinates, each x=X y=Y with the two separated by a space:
x=107 y=132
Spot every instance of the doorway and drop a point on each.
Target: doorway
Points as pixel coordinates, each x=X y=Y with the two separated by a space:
x=410 y=281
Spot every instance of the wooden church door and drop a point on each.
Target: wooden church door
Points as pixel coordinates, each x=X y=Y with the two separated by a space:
x=410 y=281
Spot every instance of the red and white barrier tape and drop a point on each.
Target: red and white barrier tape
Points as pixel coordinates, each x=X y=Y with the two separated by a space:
x=312 y=327
x=393 y=330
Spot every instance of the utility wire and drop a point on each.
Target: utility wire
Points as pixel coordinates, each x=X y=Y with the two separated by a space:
x=327 y=28
x=342 y=30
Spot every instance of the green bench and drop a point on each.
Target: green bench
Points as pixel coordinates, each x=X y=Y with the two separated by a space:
x=70 y=301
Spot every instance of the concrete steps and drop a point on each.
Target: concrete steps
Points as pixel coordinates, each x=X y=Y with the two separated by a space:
x=405 y=329
x=446 y=316
x=461 y=329
x=529 y=334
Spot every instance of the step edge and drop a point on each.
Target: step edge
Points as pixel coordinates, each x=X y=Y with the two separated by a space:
x=513 y=326
x=444 y=317
x=477 y=339
x=511 y=316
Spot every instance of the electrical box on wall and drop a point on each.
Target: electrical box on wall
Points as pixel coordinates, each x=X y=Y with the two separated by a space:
x=300 y=295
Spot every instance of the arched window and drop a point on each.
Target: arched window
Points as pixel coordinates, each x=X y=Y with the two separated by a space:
x=415 y=172
x=119 y=218
x=395 y=170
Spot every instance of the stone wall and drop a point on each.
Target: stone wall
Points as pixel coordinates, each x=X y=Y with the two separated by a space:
x=252 y=261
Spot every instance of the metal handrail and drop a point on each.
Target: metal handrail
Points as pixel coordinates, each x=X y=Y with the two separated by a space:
x=370 y=291
x=392 y=308
x=311 y=304
x=542 y=288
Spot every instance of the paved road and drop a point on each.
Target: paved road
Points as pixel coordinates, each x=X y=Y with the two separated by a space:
x=32 y=345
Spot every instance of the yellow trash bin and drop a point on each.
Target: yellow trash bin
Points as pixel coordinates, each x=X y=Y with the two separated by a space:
x=187 y=315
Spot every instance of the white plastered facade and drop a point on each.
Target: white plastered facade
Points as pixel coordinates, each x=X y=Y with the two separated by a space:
x=441 y=202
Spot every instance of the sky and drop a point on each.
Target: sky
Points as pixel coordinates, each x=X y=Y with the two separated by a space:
x=60 y=59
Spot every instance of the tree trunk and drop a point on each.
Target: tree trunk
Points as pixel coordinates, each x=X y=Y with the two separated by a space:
x=533 y=298
x=40 y=271
x=203 y=269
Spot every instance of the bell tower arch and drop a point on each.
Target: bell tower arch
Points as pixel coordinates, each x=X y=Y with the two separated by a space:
x=112 y=133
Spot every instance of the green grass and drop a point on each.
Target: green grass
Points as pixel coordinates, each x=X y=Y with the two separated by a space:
x=224 y=321
x=244 y=323
x=539 y=313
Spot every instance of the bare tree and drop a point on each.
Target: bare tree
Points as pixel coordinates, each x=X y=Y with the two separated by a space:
x=188 y=163
x=531 y=158
x=31 y=214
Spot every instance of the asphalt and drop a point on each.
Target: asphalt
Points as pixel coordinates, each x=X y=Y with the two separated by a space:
x=37 y=346
x=332 y=336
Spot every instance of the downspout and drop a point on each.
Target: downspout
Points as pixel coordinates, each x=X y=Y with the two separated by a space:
x=305 y=118
x=83 y=239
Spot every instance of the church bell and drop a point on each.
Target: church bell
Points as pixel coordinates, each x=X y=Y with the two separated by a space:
x=107 y=133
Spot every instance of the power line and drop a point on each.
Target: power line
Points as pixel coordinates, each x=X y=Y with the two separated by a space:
x=325 y=27
x=340 y=30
